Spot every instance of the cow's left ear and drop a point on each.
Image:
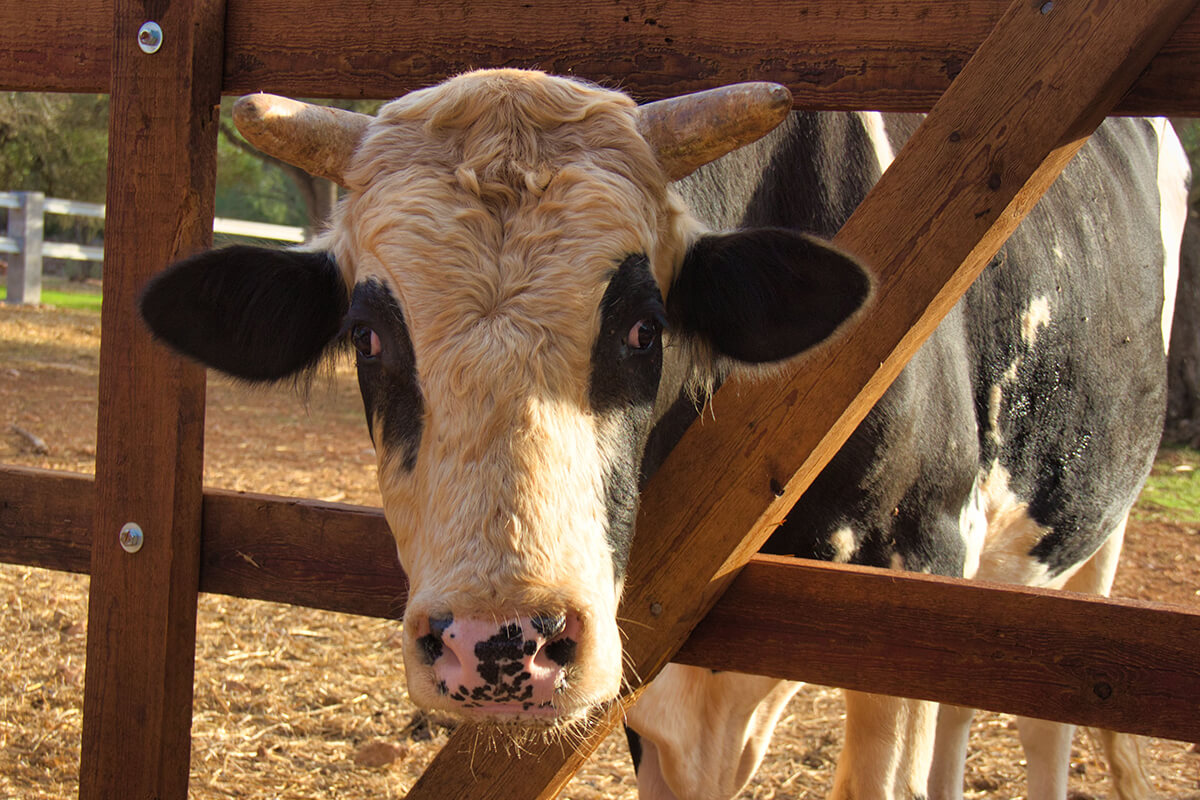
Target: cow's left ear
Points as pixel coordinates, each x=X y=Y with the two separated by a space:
x=765 y=294
x=251 y=312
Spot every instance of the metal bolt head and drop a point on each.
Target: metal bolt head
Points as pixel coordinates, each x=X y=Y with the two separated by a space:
x=150 y=37
x=131 y=537
x=1046 y=7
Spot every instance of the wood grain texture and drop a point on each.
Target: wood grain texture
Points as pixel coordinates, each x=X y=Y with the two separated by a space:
x=285 y=550
x=1016 y=650
x=339 y=558
x=891 y=55
x=1017 y=112
x=46 y=519
x=1056 y=655
x=149 y=445
x=56 y=46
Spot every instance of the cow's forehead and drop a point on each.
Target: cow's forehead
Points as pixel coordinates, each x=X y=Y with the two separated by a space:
x=492 y=169
x=498 y=210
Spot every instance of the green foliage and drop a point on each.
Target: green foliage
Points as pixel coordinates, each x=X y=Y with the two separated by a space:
x=1173 y=491
x=54 y=143
x=1189 y=134
x=250 y=188
x=78 y=301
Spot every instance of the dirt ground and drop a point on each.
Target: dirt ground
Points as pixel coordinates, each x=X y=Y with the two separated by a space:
x=293 y=703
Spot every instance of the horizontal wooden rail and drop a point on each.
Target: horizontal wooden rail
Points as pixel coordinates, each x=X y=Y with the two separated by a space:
x=1118 y=664
x=881 y=54
x=303 y=552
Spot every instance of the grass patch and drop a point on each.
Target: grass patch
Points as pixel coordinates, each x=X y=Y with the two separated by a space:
x=1173 y=491
x=76 y=301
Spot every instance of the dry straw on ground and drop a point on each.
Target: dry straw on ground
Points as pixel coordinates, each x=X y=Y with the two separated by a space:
x=297 y=703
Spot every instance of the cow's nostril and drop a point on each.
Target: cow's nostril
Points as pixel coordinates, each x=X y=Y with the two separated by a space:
x=431 y=645
x=431 y=648
x=560 y=651
x=549 y=626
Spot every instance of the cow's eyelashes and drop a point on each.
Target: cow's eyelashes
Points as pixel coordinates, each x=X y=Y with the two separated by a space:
x=365 y=341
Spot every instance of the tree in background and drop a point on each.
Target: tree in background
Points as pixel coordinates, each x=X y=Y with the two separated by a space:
x=54 y=143
x=257 y=186
x=58 y=144
x=1183 y=369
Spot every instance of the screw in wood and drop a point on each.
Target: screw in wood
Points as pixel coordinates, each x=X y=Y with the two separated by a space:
x=131 y=537
x=150 y=37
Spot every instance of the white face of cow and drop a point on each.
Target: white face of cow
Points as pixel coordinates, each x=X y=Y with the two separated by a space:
x=521 y=289
x=504 y=245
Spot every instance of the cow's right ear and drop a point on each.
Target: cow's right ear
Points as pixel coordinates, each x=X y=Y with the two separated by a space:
x=765 y=294
x=254 y=313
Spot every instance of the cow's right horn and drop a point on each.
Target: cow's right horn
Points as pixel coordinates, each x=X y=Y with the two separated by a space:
x=691 y=130
x=318 y=139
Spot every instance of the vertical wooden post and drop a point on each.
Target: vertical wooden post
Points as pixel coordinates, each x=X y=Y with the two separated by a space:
x=142 y=612
x=26 y=224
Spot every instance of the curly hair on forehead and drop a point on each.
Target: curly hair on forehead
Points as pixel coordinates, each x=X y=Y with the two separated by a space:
x=507 y=132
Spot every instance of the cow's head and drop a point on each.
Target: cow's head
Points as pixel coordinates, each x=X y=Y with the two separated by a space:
x=524 y=295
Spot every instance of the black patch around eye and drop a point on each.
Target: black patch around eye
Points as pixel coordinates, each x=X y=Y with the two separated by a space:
x=623 y=388
x=622 y=375
x=388 y=382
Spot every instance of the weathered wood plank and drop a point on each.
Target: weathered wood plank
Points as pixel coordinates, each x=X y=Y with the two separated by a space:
x=894 y=55
x=1056 y=655
x=1017 y=111
x=46 y=519
x=339 y=558
x=61 y=46
x=285 y=550
x=149 y=444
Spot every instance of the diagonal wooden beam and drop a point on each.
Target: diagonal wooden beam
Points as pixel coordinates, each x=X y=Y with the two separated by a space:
x=1024 y=104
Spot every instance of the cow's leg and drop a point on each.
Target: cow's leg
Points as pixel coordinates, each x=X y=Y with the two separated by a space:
x=652 y=783
x=1047 y=745
x=1047 y=753
x=888 y=749
x=1125 y=765
x=950 y=752
x=703 y=733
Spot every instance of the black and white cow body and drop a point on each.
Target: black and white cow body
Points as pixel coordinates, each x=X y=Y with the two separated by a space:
x=1011 y=448
x=528 y=293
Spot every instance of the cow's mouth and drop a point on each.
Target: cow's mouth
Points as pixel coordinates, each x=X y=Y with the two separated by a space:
x=500 y=727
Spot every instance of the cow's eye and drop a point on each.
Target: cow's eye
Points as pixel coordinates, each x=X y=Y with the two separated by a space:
x=643 y=335
x=365 y=341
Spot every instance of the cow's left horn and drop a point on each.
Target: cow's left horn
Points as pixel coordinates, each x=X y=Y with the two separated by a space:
x=318 y=139
x=691 y=130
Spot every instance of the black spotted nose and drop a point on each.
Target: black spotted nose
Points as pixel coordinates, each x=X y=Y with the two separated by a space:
x=499 y=669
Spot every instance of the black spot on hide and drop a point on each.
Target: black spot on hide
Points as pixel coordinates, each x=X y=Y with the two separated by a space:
x=624 y=384
x=388 y=382
x=635 y=747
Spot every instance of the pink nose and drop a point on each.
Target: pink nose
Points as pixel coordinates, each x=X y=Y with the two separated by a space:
x=507 y=668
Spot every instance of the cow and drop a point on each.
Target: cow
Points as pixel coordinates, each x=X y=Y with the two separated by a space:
x=541 y=283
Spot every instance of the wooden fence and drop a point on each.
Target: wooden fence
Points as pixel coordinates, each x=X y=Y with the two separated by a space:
x=1013 y=92
x=26 y=238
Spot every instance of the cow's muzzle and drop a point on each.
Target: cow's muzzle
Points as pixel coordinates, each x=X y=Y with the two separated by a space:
x=500 y=670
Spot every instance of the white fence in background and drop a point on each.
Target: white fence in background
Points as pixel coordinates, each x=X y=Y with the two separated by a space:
x=26 y=241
